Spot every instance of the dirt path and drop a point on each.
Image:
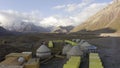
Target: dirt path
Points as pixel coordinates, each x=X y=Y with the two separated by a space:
x=85 y=62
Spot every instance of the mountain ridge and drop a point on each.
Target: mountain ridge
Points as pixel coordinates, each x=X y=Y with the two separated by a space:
x=106 y=18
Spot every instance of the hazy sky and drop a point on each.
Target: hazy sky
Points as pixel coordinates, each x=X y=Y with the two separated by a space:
x=49 y=12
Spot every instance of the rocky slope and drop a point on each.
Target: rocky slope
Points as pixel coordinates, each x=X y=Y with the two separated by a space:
x=109 y=18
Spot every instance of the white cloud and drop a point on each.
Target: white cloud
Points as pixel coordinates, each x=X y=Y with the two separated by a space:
x=10 y=18
x=74 y=19
x=71 y=7
x=87 y=1
x=56 y=21
x=59 y=7
x=74 y=6
x=88 y=12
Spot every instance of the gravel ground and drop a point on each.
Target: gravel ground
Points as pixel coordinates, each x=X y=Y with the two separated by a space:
x=54 y=63
x=109 y=49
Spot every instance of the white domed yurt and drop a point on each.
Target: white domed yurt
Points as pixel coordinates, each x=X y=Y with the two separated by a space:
x=85 y=45
x=81 y=42
x=75 y=51
x=77 y=40
x=43 y=52
x=85 y=48
x=66 y=48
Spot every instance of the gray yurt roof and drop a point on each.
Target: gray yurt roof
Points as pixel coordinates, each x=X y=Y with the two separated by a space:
x=66 y=48
x=85 y=44
x=77 y=40
x=43 y=48
x=75 y=51
x=81 y=42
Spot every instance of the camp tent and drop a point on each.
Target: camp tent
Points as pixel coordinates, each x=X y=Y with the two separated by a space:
x=66 y=48
x=81 y=42
x=75 y=51
x=43 y=51
x=77 y=40
x=85 y=45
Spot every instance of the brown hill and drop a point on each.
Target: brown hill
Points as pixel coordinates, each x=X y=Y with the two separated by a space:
x=109 y=17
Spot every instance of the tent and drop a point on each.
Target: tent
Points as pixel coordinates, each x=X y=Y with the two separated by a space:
x=43 y=52
x=77 y=40
x=66 y=48
x=83 y=45
x=75 y=51
x=81 y=42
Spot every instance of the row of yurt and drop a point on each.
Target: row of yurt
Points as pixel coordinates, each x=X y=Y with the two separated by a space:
x=71 y=51
x=81 y=49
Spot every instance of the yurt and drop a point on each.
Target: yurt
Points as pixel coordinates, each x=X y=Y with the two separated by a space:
x=73 y=40
x=81 y=42
x=85 y=45
x=43 y=52
x=66 y=48
x=77 y=40
x=75 y=51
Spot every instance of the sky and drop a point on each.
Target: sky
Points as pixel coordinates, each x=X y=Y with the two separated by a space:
x=47 y=13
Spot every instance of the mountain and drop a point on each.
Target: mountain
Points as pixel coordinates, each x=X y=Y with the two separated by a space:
x=63 y=29
x=3 y=31
x=29 y=27
x=26 y=27
x=108 y=18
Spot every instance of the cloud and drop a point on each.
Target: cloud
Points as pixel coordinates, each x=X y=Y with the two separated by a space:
x=76 y=18
x=11 y=18
x=74 y=6
x=56 y=21
x=59 y=7
x=88 y=12
x=87 y=1
x=70 y=7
